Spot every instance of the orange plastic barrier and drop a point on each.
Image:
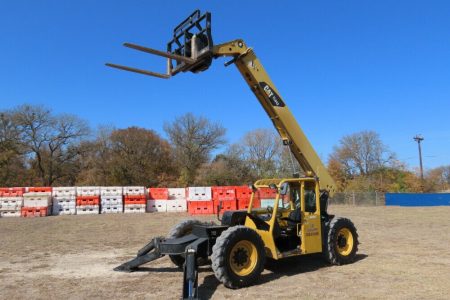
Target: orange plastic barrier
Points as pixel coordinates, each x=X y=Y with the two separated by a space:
x=11 y=194
x=226 y=205
x=88 y=200
x=158 y=193
x=28 y=212
x=201 y=207
x=40 y=189
x=243 y=192
x=224 y=193
x=267 y=193
x=243 y=204
x=135 y=199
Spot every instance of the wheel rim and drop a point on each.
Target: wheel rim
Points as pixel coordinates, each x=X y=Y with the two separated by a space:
x=243 y=258
x=344 y=242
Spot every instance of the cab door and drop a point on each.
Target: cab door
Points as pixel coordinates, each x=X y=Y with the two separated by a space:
x=311 y=224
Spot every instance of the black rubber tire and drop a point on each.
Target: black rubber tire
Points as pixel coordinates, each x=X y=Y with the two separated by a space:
x=331 y=237
x=221 y=252
x=181 y=229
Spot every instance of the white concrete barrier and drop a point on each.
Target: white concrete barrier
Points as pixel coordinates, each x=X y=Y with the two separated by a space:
x=88 y=191
x=111 y=191
x=134 y=190
x=179 y=205
x=11 y=203
x=9 y=213
x=199 y=193
x=111 y=200
x=177 y=193
x=134 y=208
x=114 y=209
x=64 y=191
x=37 y=199
x=157 y=205
x=88 y=210
x=58 y=210
x=64 y=205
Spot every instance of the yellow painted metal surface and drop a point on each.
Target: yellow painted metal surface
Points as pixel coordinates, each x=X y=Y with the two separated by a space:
x=267 y=237
x=277 y=110
x=346 y=249
x=243 y=258
x=310 y=227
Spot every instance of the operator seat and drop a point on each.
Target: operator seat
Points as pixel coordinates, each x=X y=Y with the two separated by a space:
x=294 y=218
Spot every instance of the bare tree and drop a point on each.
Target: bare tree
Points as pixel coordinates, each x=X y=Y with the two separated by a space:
x=262 y=150
x=438 y=179
x=194 y=138
x=50 y=141
x=228 y=168
x=361 y=153
x=12 y=165
x=95 y=160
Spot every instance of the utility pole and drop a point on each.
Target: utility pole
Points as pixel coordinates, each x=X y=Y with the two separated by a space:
x=419 y=138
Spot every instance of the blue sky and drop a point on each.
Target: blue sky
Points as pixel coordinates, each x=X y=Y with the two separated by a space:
x=341 y=66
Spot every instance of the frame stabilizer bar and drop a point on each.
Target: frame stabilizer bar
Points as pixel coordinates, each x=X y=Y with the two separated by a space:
x=140 y=71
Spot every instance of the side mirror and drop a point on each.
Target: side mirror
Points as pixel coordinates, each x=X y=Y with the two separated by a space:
x=284 y=188
x=273 y=186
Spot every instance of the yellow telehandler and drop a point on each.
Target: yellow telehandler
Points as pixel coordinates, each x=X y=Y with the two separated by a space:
x=296 y=224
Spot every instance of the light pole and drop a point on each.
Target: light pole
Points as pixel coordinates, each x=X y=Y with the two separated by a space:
x=419 y=138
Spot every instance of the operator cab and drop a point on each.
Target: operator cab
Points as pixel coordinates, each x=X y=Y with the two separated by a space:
x=296 y=201
x=287 y=228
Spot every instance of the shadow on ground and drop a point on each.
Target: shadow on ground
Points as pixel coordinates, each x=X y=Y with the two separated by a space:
x=282 y=268
x=277 y=269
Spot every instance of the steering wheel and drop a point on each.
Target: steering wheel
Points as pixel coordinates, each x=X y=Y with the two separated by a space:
x=270 y=212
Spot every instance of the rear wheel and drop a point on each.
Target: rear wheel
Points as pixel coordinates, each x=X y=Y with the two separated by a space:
x=238 y=257
x=341 y=241
x=181 y=229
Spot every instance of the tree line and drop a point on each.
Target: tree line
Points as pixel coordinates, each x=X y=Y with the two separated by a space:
x=39 y=147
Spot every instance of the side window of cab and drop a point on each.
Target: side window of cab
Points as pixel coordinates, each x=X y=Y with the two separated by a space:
x=310 y=198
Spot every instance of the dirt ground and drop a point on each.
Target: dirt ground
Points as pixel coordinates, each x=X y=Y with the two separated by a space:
x=404 y=254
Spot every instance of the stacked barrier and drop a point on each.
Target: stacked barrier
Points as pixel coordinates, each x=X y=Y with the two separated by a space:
x=224 y=196
x=135 y=199
x=11 y=202
x=88 y=200
x=43 y=201
x=157 y=199
x=111 y=199
x=267 y=196
x=64 y=201
x=37 y=202
x=199 y=201
x=243 y=196
x=177 y=200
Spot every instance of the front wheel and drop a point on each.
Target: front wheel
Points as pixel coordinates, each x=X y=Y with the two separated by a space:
x=181 y=229
x=238 y=257
x=340 y=241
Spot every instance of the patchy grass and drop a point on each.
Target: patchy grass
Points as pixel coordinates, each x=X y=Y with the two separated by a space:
x=404 y=254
